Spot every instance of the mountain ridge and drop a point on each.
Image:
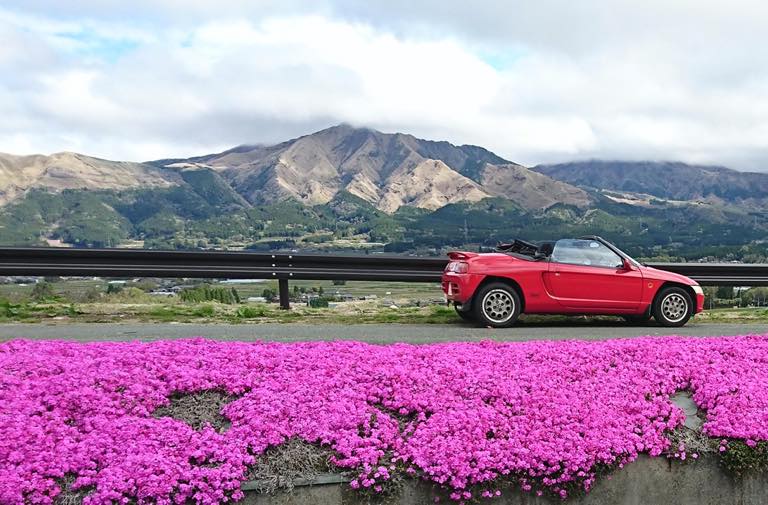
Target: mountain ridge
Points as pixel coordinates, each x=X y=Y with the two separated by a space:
x=347 y=187
x=671 y=180
x=388 y=170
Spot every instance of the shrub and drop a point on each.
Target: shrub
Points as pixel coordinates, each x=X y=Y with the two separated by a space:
x=741 y=457
x=318 y=303
x=269 y=294
x=114 y=288
x=10 y=310
x=42 y=291
x=204 y=311
x=90 y=295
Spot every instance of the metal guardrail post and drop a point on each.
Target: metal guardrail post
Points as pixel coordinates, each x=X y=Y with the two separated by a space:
x=282 y=285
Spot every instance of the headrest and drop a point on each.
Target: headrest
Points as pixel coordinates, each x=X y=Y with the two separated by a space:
x=546 y=248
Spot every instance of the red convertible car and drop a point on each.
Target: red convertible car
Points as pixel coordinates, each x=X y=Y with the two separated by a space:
x=588 y=275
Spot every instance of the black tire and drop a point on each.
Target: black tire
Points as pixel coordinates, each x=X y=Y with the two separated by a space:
x=641 y=319
x=466 y=315
x=672 y=307
x=497 y=305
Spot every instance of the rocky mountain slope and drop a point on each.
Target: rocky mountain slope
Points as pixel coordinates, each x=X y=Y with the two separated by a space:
x=387 y=170
x=667 y=180
x=66 y=170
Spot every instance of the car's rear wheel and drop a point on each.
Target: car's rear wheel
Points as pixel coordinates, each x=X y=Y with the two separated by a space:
x=673 y=307
x=497 y=305
x=466 y=315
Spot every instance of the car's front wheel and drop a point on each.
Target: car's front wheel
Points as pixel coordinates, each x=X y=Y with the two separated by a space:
x=673 y=307
x=497 y=305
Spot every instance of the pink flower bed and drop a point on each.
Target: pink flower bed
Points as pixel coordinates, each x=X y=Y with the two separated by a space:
x=464 y=415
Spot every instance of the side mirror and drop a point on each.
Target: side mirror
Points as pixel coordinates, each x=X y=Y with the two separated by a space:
x=627 y=265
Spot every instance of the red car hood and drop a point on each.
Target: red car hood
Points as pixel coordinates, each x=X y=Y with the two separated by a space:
x=655 y=273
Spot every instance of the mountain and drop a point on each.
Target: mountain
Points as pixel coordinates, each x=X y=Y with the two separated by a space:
x=357 y=188
x=59 y=171
x=666 y=180
x=387 y=170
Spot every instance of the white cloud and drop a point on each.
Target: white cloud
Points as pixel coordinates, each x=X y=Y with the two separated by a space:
x=533 y=81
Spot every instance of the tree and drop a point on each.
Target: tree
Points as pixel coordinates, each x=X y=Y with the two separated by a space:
x=756 y=296
x=724 y=292
x=207 y=293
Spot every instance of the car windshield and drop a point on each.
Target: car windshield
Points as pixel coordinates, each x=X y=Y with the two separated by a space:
x=630 y=258
x=587 y=252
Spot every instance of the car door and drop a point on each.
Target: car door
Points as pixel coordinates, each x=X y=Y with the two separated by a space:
x=587 y=275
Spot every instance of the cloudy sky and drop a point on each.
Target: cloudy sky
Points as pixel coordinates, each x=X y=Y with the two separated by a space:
x=534 y=81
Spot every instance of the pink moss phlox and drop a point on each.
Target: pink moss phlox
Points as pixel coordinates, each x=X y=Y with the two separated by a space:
x=548 y=414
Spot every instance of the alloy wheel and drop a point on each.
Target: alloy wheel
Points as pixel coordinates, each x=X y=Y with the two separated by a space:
x=674 y=307
x=498 y=306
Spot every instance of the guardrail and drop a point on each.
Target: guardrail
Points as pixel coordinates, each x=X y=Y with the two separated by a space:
x=42 y=261
x=720 y=274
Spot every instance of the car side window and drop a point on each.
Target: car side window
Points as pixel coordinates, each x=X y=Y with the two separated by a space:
x=586 y=253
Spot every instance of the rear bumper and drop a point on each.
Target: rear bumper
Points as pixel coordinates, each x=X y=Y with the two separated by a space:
x=459 y=288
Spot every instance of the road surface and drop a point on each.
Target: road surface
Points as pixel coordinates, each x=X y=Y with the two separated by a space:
x=374 y=333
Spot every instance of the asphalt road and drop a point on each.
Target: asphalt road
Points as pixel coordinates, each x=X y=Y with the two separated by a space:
x=374 y=333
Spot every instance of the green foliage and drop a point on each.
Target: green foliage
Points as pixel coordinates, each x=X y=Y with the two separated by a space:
x=250 y=312
x=130 y=294
x=204 y=311
x=42 y=291
x=725 y=292
x=272 y=245
x=161 y=224
x=739 y=459
x=205 y=212
x=211 y=187
x=207 y=293
x=319 y=239
x=81 y=218
x=319 y=302
x=114 y=288
x=12 y=310
x=269 y=294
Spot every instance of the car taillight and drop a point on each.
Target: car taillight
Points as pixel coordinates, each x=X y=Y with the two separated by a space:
x=457 y=267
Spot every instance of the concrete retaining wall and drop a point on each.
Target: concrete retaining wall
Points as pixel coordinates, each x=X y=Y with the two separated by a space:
x=647 y=481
